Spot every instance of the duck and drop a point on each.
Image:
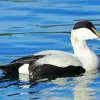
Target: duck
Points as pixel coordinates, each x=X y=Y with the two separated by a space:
x=57 y=62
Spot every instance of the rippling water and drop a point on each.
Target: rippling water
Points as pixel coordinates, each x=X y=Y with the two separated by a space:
x=21 y=21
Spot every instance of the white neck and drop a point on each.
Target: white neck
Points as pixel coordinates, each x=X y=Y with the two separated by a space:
x=88 y=58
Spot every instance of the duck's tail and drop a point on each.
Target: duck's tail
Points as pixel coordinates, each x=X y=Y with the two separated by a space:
x=4 y=69
x=10 y=68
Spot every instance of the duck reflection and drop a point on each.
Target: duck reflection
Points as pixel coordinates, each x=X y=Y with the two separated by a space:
x=80 y=86
x=83 y=89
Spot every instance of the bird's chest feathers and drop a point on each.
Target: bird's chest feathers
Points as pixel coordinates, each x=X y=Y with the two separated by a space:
x=89 y=60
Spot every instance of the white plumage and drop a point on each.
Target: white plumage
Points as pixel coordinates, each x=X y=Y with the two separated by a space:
x=24 y=69
x=58 y=58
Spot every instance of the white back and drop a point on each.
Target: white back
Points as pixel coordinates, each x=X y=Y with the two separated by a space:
x=58 y=58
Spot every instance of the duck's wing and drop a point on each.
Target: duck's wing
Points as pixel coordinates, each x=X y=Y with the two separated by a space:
x=14 y=66
x=23 y=62
x=27 y=59
x=56 y=64
x=58 y=58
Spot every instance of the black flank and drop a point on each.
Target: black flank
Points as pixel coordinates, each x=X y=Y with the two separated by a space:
x=47 y=69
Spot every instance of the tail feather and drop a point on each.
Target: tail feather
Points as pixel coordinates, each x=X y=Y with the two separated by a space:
x=4 y=68
x=10 y=68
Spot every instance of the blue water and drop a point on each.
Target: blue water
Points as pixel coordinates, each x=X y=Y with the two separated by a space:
x=30 y=26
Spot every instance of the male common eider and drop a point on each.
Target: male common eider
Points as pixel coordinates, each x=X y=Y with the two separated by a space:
x=55 y=62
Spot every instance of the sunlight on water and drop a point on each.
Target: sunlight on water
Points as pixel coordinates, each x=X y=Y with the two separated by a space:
x=30 y=26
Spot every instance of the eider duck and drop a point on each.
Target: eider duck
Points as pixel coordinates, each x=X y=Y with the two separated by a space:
x=56 y=62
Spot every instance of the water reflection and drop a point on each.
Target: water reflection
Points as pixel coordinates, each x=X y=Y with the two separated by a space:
x=60 y=88
x=83 y=89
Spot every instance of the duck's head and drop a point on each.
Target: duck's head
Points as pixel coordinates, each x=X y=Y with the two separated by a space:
x=84 y=30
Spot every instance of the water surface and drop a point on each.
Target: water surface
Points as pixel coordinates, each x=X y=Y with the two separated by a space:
x=30 y=26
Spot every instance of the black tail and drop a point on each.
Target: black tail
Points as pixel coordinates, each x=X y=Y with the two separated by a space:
x=4 y=68
x=10 y=68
